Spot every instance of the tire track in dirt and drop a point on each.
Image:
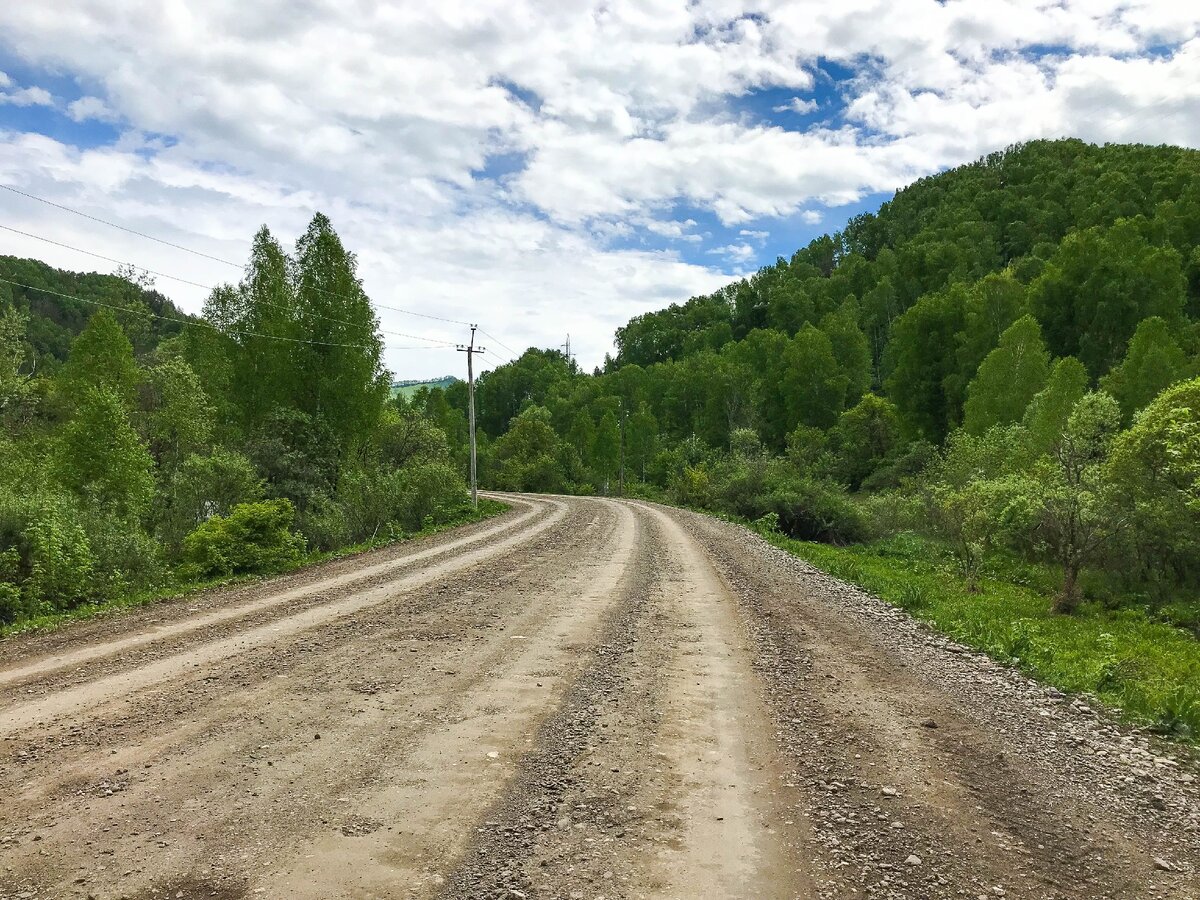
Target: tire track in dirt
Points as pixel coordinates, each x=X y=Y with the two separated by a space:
x=454 y=773
x=22 y=715
x=914 y=792
x=163 y=632
x=657 y=776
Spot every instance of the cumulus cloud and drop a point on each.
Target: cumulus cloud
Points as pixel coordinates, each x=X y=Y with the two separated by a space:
x=735 y=253
x=29 y=96
x=608 y=117
x=86 y=108
x=798 y=105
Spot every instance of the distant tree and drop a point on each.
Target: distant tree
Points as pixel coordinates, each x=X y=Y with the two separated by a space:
x=1099 y=285
x=101 y=458
x=1046 y=416
x=179 y=417
x=814 y=383
x=1153 y=362
x=15 y=386
x=850 y=348
x=921 y=358
x=991 y=305
x=528 y=455
x=606 y=449
x=641 y=439
x=1008 y=378
x=582 y=435
x=101 y=357
x=863 y=438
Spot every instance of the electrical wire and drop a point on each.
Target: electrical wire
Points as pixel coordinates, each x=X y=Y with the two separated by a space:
x=166 y=243
x=513 y=353
x=194 y=252
x=201 y=323
x=208 y=287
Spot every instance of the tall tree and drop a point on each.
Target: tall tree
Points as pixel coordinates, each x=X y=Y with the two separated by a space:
x=101 y=357
x=1099 y=285
x=850 y=348
x=1046 y=416
x=264 y=310
x=920 y=358
x=340 y=375
x=606 y=450
x=1153 y=362
x=1008 y=379
x=101 y=458
x=814 y=382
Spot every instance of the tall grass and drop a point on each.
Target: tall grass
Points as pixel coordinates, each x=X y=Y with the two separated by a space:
x=1147 y=669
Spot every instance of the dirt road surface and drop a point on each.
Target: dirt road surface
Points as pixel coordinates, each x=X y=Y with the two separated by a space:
x=582 y=698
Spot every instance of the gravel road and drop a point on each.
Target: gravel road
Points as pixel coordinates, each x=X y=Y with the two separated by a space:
x=582 y=698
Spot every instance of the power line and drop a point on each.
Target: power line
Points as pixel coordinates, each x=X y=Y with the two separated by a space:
x=514 y=353
x=166 y=243
x=142 y=234
x=200 y=322
x=208 y=287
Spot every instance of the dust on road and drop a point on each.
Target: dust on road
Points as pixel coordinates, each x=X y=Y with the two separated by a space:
x=582 y=698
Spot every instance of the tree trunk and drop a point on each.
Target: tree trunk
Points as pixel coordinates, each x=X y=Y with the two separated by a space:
x=1068 y=601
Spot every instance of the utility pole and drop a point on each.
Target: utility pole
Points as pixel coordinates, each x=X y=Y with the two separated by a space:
x=621 y=488
x=567 y=351
x=471 y=350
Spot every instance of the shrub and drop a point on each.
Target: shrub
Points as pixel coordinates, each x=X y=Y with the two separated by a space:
x=46 y=559
x=205 y=486
x=253 y=538
x=812 y=510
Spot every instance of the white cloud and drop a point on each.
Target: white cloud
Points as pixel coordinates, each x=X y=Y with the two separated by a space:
x=90 y=108
x=623 y=113
x=735 y=253
x=30 y=96
x=798 y=105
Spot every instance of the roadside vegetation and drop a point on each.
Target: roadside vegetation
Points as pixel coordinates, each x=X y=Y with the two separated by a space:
x=982 y=402
x=142 y=451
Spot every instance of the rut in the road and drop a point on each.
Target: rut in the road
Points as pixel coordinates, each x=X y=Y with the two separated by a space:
x=657 y=776
x=608 y=698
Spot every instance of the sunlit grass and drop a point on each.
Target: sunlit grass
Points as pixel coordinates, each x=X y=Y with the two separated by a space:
x=1147 y=669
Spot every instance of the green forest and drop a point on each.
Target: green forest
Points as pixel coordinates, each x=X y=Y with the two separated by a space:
x=981 y=402
x=143 y=451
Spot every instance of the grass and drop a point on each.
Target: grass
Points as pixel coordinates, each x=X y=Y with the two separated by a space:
x=1148 y=670
x=51 y=620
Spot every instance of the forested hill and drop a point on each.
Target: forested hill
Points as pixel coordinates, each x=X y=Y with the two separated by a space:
x=995 y=344
x=58 y=307
x=1007 y=216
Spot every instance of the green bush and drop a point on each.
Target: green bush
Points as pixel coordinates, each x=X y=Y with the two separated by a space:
x=127 y=557
x=253 y=538
x=46 y=559
x=811 y=510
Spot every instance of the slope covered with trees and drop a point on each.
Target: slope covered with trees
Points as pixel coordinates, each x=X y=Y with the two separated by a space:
x=1002 y=361
x=153 y=451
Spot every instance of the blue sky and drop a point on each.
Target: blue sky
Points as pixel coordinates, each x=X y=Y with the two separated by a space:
x=542 y=169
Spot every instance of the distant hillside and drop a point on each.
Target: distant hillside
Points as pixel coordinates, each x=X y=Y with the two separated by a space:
x=55 y=321
x=411 y=386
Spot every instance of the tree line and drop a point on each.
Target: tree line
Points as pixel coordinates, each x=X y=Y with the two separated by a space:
x=1004 y=357
x=142 y=449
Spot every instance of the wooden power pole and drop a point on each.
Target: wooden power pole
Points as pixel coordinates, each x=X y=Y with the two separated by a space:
x=471 y=350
